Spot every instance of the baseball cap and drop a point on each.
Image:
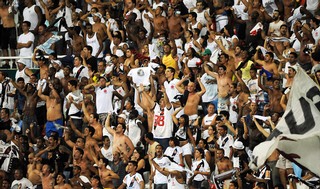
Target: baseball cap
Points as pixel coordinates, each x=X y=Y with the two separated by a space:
x=21 y=61
x=206 y=52
x=97 y=14
x=57 y=62
x=238 y=145
x=123 y=116
x=294 y=67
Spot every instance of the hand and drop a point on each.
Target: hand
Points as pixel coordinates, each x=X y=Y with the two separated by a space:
x=31 y=125
x=242 y=120
x=27 y=131
x=70 y=99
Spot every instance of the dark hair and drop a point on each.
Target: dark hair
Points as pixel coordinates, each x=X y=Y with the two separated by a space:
x=88 y=25
x=175 y=141
x=201 y=151
x=224 y=127
x=294 y=54
x=80 y=58
x=270 y=54
x=20 y=79
x=186 y=121
x=149 y=136
x=134 y=163
x=88 y=47
x=225 y=113
x=171 y=69
x=27 y=23
x=80 y=150
x=6 y=110
x=193 y=14
x=91 y=130
x=235 y=183
x=73 y=82
x=124 y=127
x=160 y=146
x=204 y=142
x=223 y=67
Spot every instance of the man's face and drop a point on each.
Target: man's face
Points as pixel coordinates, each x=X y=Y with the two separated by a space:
x=191 y=87
x=291 y=73
x=129 y=4
x=292 y=59
x=219 y=154
x=221 y=71
x=159 y=151
x=77 y=155
x=76 y=62
x=275 y=15
x=210 y=109
x=221 y=131
x=17 y=175
x=168 y=73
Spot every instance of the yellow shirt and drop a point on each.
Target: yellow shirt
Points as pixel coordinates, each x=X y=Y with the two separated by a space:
x=169 y=61
x=246 y=70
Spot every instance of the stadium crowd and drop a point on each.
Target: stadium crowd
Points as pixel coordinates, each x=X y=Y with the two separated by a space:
x=155 y=94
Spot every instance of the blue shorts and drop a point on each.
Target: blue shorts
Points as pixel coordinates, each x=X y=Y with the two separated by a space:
x=50 y=127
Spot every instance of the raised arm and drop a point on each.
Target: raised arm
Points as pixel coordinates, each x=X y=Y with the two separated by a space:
x=42 y=96
x=203 y=89
x=74 y=128
x=260 y=128
x=174 y=118
x=108 y=127
x=178 y=85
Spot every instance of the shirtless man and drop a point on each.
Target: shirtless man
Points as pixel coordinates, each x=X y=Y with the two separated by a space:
x=99 y=27
x=29 y=108
x=54 y=114
x=106 y=175
x=76 y=41
x=121 y=142
x=160 y=23
x=274 y=93
x=93 y=119
x=60 y=180
x=229 y=64
x=41 y=62
x=76 y=182
x=224 y=83
x=191 y=107
x=8 y=34
x=88 y=134
x=269 y=68
x=34 y=170
x=223 y=164
x=47 y=177
x=176 y=25
x=43 y=36
x=79 y=161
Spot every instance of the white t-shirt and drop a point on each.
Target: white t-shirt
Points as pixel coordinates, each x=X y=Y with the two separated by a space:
x=207 y=120
x=135 y=10
x=25 y=38
x=201 y=166
x=171 y=89
x=133 y=181
x=174 y=153
x=77 y=97
x=211 y=88
x=84 y=72
x=104 y=99
x=134 y=131
x=22 y=183
x=159 y=178
x=107 y=153
x=140 y=75
x=162 y=122
x=225 y=143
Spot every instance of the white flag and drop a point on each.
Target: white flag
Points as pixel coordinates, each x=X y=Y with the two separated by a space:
x=301 y=116
x=304 y=150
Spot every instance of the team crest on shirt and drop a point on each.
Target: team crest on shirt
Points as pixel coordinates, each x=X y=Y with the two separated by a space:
x=105 y=90
x=172 y=86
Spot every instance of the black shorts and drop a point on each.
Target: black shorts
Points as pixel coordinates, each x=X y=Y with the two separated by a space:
x=8 y=38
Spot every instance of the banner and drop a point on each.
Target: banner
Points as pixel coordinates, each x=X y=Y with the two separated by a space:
x=301 y=116
x=45 y=47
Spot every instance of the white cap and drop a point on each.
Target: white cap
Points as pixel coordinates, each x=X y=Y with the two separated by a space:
x=123 y=116
x=238 y=145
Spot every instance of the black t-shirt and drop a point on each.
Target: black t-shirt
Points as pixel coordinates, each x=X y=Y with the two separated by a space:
x=5 y=125
x=92 y=61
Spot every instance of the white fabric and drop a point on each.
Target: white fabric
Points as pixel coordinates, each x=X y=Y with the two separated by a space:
x=204 y=167
x=25 y=52
x=171 y=89
x=23 y=183
x=211 y=88
x=159 y=178
x=174 y=153
x=23 y=75
x=162 y=123
x=84 y=72
x=301 y=118
x=104 y=99
x=133 y=181
x=94 y=43
x=134 y=131
x=225 y=143
x=29 y=14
